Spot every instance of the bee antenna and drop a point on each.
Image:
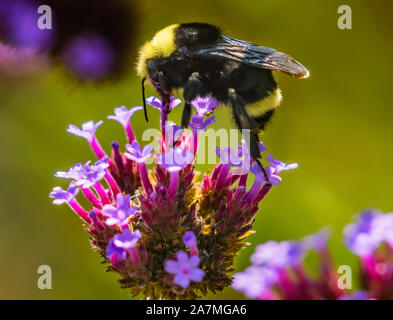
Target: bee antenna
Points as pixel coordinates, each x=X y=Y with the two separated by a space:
x=144 y=99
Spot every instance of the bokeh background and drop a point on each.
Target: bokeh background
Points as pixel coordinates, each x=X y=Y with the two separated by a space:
x=337 y=125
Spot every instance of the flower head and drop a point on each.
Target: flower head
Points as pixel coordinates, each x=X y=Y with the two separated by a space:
x=168 y=201
x=64 y=196
x=185 y=269
x=120 y=214
x=121 y=243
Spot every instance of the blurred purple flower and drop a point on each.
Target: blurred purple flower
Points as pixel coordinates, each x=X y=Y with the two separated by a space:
x=278 y=255
x=20 y=22
x=185 y=268
x=255 y=281
x=361 y=237
x=89 y=57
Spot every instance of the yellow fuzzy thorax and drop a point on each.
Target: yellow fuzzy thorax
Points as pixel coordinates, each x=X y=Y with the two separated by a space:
x=162 y=45
x=272 y=101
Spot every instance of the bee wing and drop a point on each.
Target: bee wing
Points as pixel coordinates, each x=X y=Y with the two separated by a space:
x=254 y=56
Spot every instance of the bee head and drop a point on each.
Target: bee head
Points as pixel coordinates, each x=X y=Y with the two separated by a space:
x=162 y=45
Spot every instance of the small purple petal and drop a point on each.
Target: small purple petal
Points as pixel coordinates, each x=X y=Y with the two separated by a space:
x=87 y=131
x=123 y=115
x=61 y=196
x=189 y=239
x=135 y=153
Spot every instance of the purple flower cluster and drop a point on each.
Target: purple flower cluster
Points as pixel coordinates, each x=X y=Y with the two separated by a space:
x=278 y=268
x=138 y=217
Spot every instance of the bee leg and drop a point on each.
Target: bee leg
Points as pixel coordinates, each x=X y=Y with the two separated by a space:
x=244 y=121
x=193 y=88
x=186 y=115
x=164 y=90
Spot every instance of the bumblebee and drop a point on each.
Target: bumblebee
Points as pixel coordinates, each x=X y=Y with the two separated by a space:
x=199 y=59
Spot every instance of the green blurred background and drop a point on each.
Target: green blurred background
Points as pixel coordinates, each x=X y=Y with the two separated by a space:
x=337 y=125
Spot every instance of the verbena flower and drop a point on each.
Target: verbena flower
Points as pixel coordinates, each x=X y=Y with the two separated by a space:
x=122 y=244
x=204 y=105
x=166 y=233
x=185 y=269
x=121 y=213
x=279 y=270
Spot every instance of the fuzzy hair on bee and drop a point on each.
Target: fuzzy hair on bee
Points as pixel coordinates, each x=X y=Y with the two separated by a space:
x=199 y=59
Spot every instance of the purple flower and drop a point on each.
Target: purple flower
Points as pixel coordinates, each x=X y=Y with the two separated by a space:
x=254 y=281
x=86 y=175
x=121 y=213
x=271 y=173
x=121 y=243
x=189 y=239
x=158 y=103
x=88 y=130
x=197 y=122
x=279 y=166
x=204 y=105
x=185 y=268
x=135 y=153
x=20 y=21
x=176 y=159
x=89 y=57
x=123 y=115
x=278 y=255
x=73 y=173
x=365 y=235
x=319 y=240
x=61 y=196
